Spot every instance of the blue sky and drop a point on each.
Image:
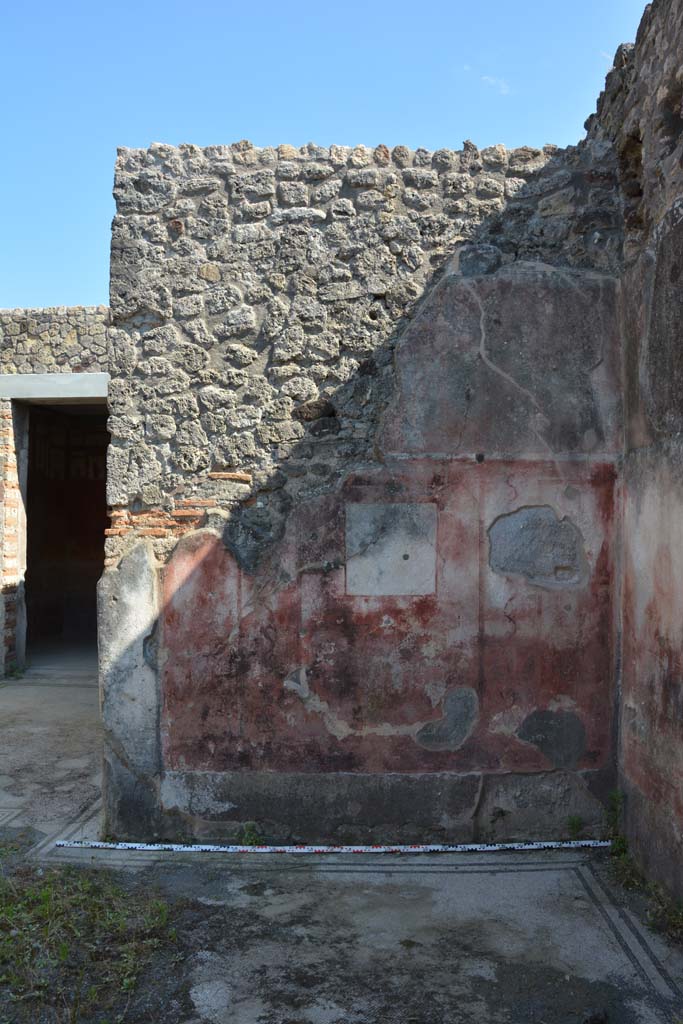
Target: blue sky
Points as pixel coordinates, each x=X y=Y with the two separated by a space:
x=79 y=79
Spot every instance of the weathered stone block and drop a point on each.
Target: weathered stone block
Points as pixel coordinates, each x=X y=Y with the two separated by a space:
x=520 y=807
x=127 y=622
x=304 y=807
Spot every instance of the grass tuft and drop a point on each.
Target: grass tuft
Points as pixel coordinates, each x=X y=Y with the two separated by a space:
x=76 y=941
x=575 y=827
x=250 y=835
x=663 y=913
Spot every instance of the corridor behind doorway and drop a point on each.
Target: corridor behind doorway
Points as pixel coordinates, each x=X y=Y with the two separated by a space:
x=66 y=520
x=51 y=749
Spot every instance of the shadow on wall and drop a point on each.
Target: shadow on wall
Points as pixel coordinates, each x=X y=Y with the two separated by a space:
x=421 y=647
x=651 y=731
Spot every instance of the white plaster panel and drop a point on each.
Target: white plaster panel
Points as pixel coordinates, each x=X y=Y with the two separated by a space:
x=390 y=549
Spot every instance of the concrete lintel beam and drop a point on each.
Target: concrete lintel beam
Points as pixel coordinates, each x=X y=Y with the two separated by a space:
x=55 y=387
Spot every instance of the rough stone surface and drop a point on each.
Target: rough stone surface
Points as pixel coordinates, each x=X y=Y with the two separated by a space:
x=369 y=411
x=58 y=340
x=338 y=807
x=248 y=283
x=639 y=118
x=514 y=807
x=640 y=115
x=535 y=544
x=300 y=320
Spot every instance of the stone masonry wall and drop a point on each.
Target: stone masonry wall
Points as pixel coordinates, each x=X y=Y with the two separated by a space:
x=364 y=569
x=63 y=339
x=641 y=114
x=324 y=361
x=257 y=296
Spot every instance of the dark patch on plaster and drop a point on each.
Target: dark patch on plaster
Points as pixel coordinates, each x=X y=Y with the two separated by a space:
x=475 y=260
x=253 y=530
x=535 y=543
x=559 y=735
x=381 y=521
x=460 y=714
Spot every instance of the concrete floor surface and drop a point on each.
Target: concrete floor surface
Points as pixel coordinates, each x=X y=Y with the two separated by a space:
x=50 y=743
x=450 y=939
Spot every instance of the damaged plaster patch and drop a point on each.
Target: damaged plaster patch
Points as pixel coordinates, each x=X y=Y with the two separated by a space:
x=535 y=543
x=127 y=611
x=460 y=714
x=297 y=682
x=390 y=549
x=250 y=531
x=175 y=794
x=507 y=722
x=559 y=735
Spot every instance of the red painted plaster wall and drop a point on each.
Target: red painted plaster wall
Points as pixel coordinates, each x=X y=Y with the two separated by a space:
x=284 y=670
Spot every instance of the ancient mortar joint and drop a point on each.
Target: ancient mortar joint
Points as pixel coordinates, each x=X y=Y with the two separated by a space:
x=390 y=544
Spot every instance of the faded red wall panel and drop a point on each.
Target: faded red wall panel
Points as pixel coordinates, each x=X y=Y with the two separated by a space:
x=489 y=670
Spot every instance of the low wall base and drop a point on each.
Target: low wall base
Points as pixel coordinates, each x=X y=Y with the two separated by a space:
x=654 y=838
x=349 y=807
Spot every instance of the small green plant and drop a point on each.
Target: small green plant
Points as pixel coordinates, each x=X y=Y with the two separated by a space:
x=75 y=941
x=14 y=672
x=575 y=826
x=6 y=850
x=665 y=914
x=614 y=814
x=250 y=835
x=624 y=868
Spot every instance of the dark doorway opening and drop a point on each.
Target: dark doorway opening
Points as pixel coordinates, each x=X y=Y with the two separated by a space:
x=66 y=519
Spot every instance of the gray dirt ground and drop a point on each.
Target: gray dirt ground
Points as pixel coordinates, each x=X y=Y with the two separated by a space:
x=537 y=938
x=352 y=940
x=540 y=938
x=51 y=744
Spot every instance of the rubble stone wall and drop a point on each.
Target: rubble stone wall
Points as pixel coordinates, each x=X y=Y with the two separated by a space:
x=61 y=339
x=257 y=294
